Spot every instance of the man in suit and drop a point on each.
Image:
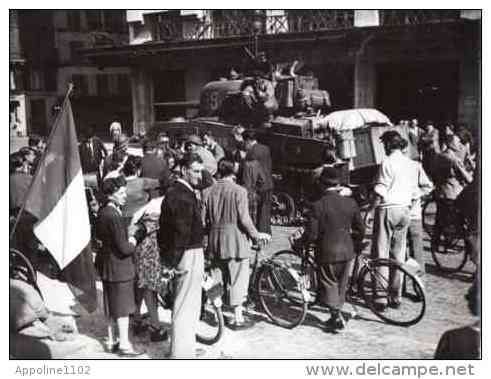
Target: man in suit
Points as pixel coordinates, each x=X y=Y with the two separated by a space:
x=92 y=153
x=154 y=167
x=332 y=219
x=227 y=215
x=181 y=246
x=261 y=153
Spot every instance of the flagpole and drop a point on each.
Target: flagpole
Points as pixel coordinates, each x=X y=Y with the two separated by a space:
x=48 y=143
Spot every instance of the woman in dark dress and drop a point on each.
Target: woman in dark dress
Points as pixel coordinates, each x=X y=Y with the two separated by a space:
x=115 y=265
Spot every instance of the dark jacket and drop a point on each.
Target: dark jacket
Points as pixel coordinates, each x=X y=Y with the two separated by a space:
x=334 y=224
x=181 y=225
x=89 y=160
x=114 y=261
x=154 y=167
x=262 y=154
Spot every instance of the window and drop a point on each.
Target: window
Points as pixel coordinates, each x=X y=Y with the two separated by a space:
x=74 y=47
x=124 y=87
x=80 y=83
x=73 y=20
x=94 y=19
x=102 y=85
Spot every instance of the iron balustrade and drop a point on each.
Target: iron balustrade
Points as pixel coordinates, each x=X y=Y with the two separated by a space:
x=166 y=28
x=397 y=17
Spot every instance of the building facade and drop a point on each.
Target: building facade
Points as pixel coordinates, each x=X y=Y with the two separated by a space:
x=46 y=46
x=407 y=63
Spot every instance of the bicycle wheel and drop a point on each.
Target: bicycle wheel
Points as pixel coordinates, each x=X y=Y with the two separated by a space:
x=211 y=323
x=281 y=296
x=449 y=254
x=21 y=268
x=392 y=292
x=294 y=261
x=429 y=216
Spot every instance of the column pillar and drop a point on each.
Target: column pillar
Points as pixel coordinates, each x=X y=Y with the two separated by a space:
x=142 y=99
x=469 y=98
x=365 y=82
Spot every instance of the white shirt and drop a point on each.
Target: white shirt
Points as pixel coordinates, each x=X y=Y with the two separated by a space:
x=423 y=187
x=396 y=181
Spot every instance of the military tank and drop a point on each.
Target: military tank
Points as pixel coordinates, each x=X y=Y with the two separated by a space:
x=291 y=115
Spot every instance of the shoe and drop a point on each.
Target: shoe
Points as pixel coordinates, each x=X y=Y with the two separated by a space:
x=246 y=324
x=129 y=352
x=158 y=334
x=394 y=303
x=114 y=348
x=336 y=322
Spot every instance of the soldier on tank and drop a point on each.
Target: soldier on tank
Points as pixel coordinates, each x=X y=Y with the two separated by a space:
x=258 y=94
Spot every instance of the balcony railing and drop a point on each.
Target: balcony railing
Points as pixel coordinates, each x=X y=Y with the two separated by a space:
x=417 y=16
x=178 y=28
x=167 y=27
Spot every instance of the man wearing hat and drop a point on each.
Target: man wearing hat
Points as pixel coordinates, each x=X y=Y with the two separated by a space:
x=336 y=227
x=396 y=188
x=194 y=144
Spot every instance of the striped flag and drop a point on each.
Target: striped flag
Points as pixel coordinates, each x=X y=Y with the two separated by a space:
x=57 y=199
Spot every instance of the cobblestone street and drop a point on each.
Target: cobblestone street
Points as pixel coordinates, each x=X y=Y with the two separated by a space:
x=366 y=335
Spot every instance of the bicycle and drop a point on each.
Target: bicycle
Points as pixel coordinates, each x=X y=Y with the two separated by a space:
x=371 y=280
x=449 y=251
x=20 y=268
x=211 y=322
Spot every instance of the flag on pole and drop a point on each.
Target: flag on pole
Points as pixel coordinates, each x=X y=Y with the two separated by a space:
x=57 y=199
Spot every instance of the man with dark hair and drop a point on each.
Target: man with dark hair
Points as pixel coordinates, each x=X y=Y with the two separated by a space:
x=227 y=215
x=261 y=153
x=181 y=246
x=92 y=153
x=332 y=218
x=395 y=188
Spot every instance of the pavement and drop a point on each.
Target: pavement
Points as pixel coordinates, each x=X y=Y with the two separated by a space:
x=366 y=337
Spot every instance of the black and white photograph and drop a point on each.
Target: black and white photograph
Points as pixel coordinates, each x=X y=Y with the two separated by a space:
x=246 y=184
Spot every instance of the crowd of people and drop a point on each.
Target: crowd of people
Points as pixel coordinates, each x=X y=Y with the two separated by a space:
x=160 y=217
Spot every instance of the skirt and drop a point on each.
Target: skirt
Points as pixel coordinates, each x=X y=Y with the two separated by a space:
x=119 y=298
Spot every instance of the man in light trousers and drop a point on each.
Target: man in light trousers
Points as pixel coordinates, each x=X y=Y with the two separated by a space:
x=181 y=245
x=395 y=189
